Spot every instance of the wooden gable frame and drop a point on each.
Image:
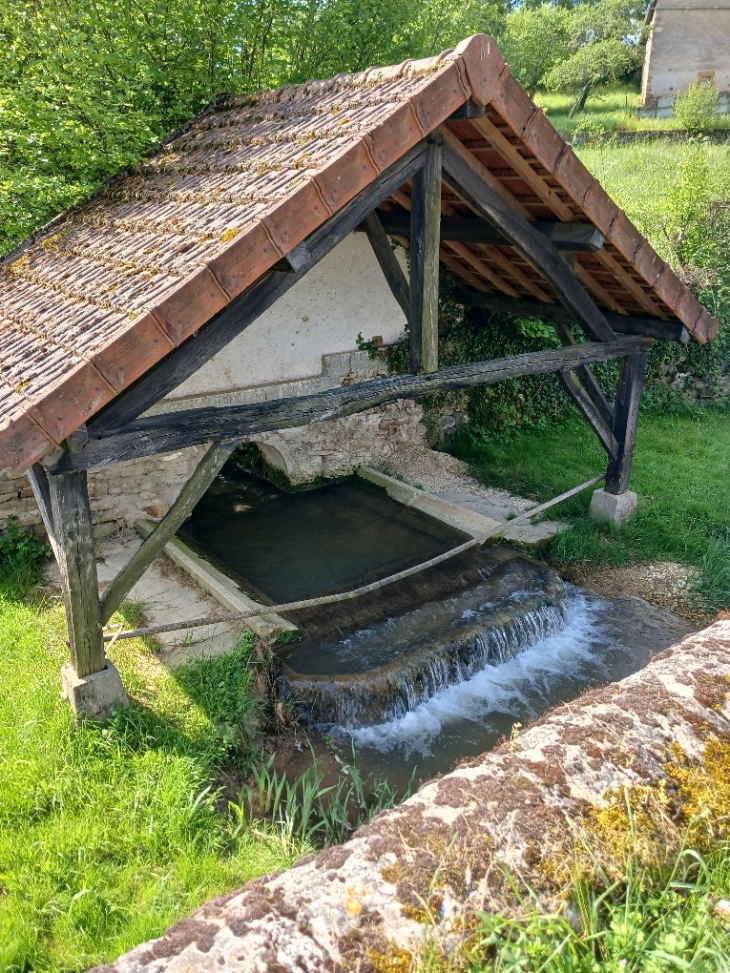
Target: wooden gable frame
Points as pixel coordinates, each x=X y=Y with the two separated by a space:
x=441 y=198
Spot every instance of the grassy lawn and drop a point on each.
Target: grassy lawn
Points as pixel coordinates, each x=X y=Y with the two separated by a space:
x=681 y=473
x=643 y=178
x=107 y=835
x=608 y=109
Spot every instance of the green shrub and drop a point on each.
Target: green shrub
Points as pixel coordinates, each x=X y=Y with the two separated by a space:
x=696 y=109
x=21 y=554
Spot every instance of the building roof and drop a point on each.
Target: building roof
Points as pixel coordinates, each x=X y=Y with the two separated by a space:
x=105 y=291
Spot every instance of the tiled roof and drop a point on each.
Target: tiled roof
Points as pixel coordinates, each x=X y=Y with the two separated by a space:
x=109 y=288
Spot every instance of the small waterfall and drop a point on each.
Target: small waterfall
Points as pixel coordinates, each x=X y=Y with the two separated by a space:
x=425 y=652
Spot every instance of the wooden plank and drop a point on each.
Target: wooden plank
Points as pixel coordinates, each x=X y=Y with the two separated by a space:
x=523 y=168
x=174 y=430
x=596 y=288
x=392 y=270
x=621 y=323
x=632 y=286
x=578 y=393
x=204 y=474
x=181 y=363
x=572 y=237
x=626 y=418
x=424 y=289
x=71 y=517
x=461 y=174
x=41 y=491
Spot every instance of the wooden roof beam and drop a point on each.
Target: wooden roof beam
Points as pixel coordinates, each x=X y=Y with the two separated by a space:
x=574 y=237
x=621 y=323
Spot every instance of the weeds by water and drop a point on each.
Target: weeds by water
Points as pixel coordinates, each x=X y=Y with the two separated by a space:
x=305 y=810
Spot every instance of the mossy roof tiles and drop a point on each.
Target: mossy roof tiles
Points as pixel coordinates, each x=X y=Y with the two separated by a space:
x=106 y=290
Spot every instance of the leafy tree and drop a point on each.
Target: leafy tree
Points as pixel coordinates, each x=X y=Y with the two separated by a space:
x=606 y=44
x=86 y=86
x=535 y=40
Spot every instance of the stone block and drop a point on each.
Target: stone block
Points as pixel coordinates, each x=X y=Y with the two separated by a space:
x=95 y=696
x=614 y=508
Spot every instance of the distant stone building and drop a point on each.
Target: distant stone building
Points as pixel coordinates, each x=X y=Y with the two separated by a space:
x=689 y=42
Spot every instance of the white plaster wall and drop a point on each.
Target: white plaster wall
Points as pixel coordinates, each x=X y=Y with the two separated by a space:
x=344 y=295
x=688 y=36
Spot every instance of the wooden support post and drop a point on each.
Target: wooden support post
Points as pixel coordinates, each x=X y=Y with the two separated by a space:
x=72 y=526
x=626 y=417
x=205 y=473
x=425 y=241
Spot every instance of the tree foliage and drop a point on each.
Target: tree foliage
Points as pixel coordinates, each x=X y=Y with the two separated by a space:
x=606 y=44
x=535 y=40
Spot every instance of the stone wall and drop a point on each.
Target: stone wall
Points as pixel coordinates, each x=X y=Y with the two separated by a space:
x=416 y=878
x=119 y=494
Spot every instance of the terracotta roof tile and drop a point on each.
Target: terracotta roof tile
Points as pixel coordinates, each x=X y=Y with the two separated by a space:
x=106 y=290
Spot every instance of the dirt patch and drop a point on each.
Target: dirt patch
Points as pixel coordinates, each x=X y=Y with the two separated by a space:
x=664 y=583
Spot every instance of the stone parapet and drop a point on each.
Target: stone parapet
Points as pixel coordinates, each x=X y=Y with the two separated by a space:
x=419 y=875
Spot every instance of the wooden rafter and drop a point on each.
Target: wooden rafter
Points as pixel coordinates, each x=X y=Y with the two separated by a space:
x=463 y=172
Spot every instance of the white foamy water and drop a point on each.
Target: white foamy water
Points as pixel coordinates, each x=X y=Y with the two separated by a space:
x=521 y=686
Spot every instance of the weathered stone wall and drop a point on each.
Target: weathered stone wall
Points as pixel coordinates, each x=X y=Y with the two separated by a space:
x=686 y=40
x=338 y=447
x=661 y=734
x=119 y=494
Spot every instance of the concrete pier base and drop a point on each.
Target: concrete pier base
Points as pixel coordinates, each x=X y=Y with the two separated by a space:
x=615 y=508
x=94 y=696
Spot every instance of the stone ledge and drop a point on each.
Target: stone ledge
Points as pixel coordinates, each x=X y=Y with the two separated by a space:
x=450 y=843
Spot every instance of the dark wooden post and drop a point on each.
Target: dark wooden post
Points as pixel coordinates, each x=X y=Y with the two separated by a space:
x=425 y=242
x=74 y=549
x=625 y=419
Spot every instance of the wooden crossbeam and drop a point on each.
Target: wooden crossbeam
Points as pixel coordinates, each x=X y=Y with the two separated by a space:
x=204 y=474
x=621 y=323
x=38 y=479
x=175 y=430
x=573 y=237
x=424 y=235
x=392 y=270
x=185 y=360
x=463 y=172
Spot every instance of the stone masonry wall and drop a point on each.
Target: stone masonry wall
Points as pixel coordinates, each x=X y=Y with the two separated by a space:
x=119 y=494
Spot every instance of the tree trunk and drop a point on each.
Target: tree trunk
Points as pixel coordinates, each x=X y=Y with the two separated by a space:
x=580 y=101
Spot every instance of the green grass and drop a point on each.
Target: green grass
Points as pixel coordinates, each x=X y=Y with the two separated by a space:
x=636 y=925
x=107 y=835
x=639 y=176
x=610 y=109
x=681 y=473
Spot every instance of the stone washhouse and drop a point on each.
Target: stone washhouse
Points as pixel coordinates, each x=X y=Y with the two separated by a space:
x=213 y=295
x=689 y=43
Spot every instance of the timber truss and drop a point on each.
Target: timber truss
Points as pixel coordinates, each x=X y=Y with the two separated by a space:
x=122 y=431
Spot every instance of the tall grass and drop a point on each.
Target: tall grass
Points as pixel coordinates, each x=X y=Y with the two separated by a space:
x=108 y=834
